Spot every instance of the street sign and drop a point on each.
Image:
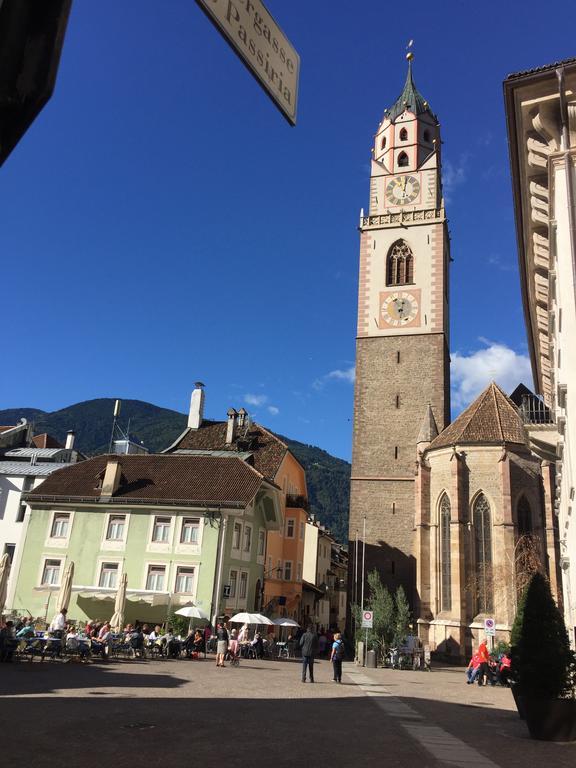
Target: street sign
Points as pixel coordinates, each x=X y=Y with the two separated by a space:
x=262 y=46
x=367 y=619
x=226 y=589
x=490 y=627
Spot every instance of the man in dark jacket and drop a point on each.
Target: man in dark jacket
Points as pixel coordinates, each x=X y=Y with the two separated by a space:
x=309 y=646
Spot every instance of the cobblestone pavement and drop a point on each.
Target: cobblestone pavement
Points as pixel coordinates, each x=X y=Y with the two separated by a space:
x=259 y=714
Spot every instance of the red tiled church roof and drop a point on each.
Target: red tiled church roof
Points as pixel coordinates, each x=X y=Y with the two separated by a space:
x=492 y=418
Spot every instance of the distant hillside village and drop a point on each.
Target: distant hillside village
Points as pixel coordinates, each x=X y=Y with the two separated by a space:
x=218 y=518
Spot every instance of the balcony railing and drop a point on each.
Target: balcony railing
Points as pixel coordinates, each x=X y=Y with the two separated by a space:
x=534 y=411
x=299 y=502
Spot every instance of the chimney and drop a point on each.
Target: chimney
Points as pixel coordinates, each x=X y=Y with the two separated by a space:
x=242 y=421
x=196 y=406
x=230 y=429
x=111 y=478
x=70 y=437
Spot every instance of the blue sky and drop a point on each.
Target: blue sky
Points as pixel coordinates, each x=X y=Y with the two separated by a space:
x=162 y=223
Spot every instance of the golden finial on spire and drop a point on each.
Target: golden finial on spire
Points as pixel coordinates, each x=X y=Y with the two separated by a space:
x=410 y=54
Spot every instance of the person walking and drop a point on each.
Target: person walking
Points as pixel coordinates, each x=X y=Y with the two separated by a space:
x=309 y=648
x=221 y=644
x=336 y=656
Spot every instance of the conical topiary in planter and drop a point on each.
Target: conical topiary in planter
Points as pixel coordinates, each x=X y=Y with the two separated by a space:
x=543 y=665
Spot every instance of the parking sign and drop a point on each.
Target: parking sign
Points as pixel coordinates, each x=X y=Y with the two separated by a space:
x=490 y=627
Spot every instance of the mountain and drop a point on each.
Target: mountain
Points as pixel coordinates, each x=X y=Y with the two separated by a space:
x=328 y=477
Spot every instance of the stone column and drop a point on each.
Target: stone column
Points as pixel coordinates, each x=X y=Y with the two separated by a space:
x=458 y=527
x=503 y=548
x=551 y=532
x=422 y=546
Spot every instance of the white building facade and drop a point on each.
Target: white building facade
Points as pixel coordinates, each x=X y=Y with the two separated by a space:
x=541 y=116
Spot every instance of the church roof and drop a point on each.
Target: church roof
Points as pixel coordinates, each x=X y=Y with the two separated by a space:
x=410 y=98
x=429 y=429
x=491 y=419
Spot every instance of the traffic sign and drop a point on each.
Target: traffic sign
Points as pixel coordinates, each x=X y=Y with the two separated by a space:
x=490 y=627
x=367 y=619
x=226 y=591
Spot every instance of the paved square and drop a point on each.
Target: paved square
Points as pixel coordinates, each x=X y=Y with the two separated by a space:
x=259 y=714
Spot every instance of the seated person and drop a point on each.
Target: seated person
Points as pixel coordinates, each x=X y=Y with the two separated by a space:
x=135 y=638
x=473 y=669
x=173 y=646
x=199 y=642
x=257 y=645
x=27 y=630
x=505 y=669
x=8 y=642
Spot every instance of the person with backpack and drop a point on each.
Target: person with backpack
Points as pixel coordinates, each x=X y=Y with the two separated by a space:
x=336 y=656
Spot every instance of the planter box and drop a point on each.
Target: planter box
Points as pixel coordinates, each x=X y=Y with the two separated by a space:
x=550 y=719
x=515 y=688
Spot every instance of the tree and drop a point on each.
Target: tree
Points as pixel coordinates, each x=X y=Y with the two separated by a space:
x=383 y=626
x=401 y=618
x=542 y=661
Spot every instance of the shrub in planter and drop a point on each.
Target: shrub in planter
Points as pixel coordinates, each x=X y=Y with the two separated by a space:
x=543 y=665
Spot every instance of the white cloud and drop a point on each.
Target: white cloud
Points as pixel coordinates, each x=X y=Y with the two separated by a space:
x=472 y=373
x=273 y=411
x=453 y=175
x=340 y=374
x=255 y=400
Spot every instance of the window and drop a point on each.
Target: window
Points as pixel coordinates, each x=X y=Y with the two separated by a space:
x=247 y=538
x=403 y=135
x=299 y=572
x=60 y=525
x=482 y=521
x=237 y=533
x=27 y=485
x=161 y=531
x=108 y=575
x=155 y=578
x=51 y=572
x=288 y=570
x=402 y=160
x=427 y=136
x=9 y=550
x=190 y=530
x=243 y=585
x=383 y=142
x=115 y=530
x=397 y=401
x=184 y=579
x=302 y=529
x=400 y=264
x=445 y=552
x=524 y=517
x=290 y=523
x=233 y=583
x=261 y=543
x=395 y=451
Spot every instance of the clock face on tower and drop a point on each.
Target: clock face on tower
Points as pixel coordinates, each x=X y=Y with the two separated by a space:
x=402 y=190
x=399 y=309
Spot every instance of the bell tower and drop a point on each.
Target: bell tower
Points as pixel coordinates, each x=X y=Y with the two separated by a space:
x=402 y=359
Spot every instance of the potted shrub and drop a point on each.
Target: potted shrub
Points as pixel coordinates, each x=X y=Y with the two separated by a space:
x=544 y=666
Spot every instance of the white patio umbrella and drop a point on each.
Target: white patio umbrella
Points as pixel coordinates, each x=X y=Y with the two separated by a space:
x=284 y=621
x=192 y=612
x=117 y=620
x=65 y=592
x=4 y=574
x=250 y=618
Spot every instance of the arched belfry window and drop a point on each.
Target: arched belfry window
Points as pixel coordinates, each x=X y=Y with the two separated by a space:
x=445 y=551
x=383 y=142
x=402 y=160
x=403 y=134
x=400 y=264
x=427 y=136
x=482 y=521
x=524 y=517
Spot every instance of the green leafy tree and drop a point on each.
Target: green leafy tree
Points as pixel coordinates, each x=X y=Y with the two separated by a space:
x=402 y=617
x=542 y=661
x=381 y=603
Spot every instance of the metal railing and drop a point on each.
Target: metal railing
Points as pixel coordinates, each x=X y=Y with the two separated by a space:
x=534 y=411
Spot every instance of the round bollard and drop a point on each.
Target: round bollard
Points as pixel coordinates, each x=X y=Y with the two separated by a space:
x=371 y=659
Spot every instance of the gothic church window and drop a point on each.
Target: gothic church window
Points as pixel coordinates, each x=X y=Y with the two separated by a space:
x=402 y=160
x=400 y=266
x=403 y=134
x=445 y=551
x=524 y=517
x=482 y=522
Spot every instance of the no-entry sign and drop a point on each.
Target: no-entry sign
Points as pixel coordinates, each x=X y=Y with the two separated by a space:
x=367 y=619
